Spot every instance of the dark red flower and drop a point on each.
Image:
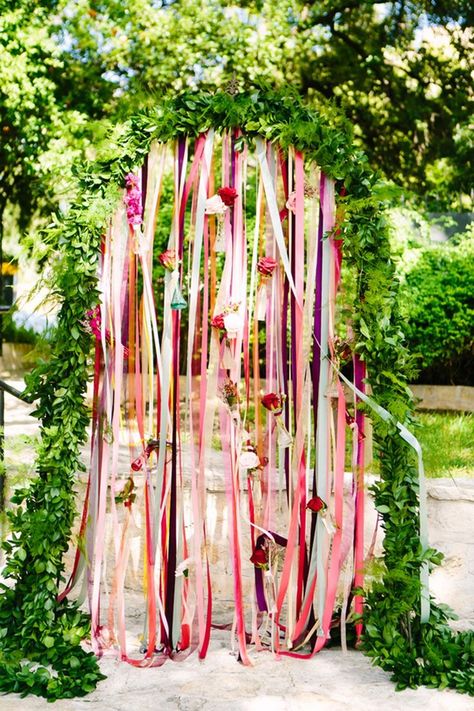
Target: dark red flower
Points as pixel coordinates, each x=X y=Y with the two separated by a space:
x=218 y=322
x=227 y=195
x=259 y=558
x=137 y=463
x=266 y=266
x=151 y=446
x=316 y=504
x=273 y=402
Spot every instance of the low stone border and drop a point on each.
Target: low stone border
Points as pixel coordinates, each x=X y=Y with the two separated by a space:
x=444 y=397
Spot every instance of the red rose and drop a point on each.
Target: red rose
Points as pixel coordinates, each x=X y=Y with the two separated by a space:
x=227 y=195
x=137 y=463
x=273 y=402
x=218 y=322
x=259 y=558
x=266 y=266
x=316 y=504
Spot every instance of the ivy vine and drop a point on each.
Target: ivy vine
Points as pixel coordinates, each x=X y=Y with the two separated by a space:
x=40 y=650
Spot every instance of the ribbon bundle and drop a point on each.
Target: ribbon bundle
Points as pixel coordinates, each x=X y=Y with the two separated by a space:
x=233 y=341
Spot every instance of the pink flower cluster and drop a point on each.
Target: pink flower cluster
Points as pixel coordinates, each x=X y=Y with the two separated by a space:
x=93 y=323
x=266 y=266
x=133 y=200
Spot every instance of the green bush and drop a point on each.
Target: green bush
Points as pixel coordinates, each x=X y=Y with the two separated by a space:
x=437 y=302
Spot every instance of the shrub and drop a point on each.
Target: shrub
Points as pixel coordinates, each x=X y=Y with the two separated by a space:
x=437 y=301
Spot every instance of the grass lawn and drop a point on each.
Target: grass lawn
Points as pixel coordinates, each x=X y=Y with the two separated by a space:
x=447 y=439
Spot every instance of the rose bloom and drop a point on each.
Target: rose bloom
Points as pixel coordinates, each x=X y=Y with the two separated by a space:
x=272 y=402
x=233 y=324
x=218 y=322
x=291 y=202
x=137 y=463
x=249 y=460
x=227 y=195
x=259 y=558
x=168 y=259
x=266 y=266
x=316 y=504
x=215 y=205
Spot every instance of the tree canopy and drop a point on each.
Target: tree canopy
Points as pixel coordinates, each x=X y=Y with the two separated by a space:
x=401 y=72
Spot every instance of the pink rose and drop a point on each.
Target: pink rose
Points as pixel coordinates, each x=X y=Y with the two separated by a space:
x=291 y=202
x=218 y=322
x=266 y=266
x=168 y=259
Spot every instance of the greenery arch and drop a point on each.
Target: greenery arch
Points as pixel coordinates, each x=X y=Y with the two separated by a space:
x=40 y=650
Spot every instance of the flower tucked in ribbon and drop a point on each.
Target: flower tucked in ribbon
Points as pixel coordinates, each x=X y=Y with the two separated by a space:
x=342 y=349
x=233 y=324
x=316 y=504
x=291 y=202
x=93 y=325
x=124 y=494
x=94 y=322
x=138 y=463
x=218 y=205
x=249 y=459
x=218 y=322
x=274 y=403
x=350 y=421
x=169 y=260
x=229 y=321
x=229 y=393
x=215 y=206
x=259 y=558
x=228 y=195
x=265 y=267
x=133 y=200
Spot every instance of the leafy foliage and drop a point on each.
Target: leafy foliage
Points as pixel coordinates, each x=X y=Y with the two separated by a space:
x=40 y=650
x=45 y=633
x=437 y=302
x=401 y=71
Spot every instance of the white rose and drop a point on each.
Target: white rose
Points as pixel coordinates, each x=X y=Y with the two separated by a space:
x=233 y=324
x=249 y=460
x=215 y=206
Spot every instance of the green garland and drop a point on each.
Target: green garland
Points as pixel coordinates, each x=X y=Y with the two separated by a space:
x=40 y=650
